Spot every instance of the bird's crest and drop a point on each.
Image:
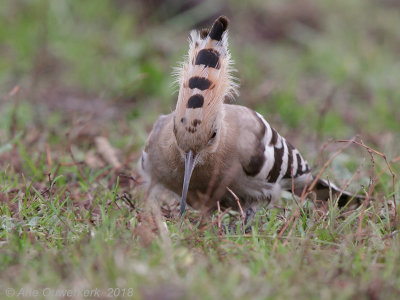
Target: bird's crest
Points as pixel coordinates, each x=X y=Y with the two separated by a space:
x=205 y=80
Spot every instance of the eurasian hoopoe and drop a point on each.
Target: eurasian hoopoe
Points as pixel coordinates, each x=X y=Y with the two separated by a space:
x=206 y=146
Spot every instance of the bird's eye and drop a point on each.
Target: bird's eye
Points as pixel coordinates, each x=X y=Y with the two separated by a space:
x=213 y=135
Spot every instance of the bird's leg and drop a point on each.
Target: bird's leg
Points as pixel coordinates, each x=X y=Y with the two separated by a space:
x=233 y=228
x=248 y=216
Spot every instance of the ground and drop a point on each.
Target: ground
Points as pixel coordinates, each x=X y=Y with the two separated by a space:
x=81 y=83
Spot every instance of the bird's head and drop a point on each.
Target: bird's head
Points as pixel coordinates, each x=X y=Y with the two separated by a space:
x=205 y=81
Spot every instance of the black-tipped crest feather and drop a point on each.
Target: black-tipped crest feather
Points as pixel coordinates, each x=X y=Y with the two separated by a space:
x=218 y=28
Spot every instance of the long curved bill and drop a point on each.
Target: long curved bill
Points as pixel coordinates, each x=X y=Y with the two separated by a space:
x=189 y=166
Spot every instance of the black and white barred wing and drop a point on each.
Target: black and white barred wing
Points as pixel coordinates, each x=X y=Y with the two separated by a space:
x=267 y=155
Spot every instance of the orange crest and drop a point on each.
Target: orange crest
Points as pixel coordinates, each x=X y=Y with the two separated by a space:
x=205 y=81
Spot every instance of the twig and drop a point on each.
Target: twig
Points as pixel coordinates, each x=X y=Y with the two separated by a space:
x=48 y=155
x=133 y=179
x=225 y=211
x=219 y=219
x=319 y=156
x=370 y=151
x=125 y=197
x=327 y=163
x=346 y=184
x=391 y=235
x=240 y=207
x=13 y=92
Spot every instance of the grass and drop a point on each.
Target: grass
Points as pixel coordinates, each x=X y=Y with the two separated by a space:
x=70 y=222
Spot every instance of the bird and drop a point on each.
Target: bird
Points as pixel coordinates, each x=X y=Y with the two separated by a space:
x=211 y=152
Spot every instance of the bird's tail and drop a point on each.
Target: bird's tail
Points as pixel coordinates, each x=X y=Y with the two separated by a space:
x=324 y=190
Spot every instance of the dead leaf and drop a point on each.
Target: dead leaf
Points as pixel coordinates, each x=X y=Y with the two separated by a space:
x=107 y=152
x=94 y=161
